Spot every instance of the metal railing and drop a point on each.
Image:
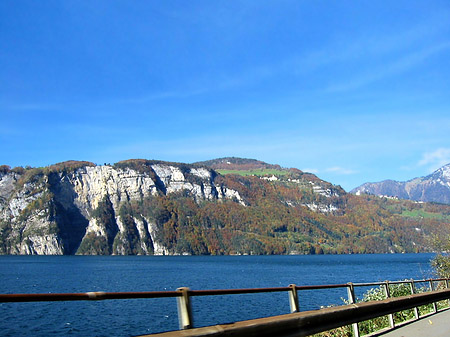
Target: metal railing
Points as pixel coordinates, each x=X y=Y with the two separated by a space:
x=433 y=284
x=336 y=316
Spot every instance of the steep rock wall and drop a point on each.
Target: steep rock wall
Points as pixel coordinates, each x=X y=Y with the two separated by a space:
x=57 y=212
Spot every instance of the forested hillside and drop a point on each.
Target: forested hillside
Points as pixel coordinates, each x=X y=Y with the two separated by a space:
x=154 y=207
x=279 y=217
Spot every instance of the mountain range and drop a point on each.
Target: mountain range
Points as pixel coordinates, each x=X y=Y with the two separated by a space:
x=432 y=188
x=223 y=206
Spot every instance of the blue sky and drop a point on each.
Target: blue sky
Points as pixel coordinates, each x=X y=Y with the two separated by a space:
x=353 y=91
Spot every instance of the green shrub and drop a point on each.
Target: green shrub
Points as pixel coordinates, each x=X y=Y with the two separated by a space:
x=379 y=323
x=41 y=203
x=441 y=264
x=343 y=331
x=67 y=166
x=4 y=169
x=94 y=244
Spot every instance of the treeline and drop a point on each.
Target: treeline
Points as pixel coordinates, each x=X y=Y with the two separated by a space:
x=233 y=163
x=268 y=225
x=296 y=214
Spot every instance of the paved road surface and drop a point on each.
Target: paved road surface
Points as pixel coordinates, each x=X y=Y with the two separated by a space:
x=437 y=325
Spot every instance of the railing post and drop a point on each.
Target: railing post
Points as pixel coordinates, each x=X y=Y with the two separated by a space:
x=388 y=295
x=413 y=291
x=431 y=289
x=446 y=285
x=184 y=309
x=293 y=299
x=352 y=300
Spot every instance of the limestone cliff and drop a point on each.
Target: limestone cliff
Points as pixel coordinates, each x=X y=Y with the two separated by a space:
x=153 y=207
x=76 y=207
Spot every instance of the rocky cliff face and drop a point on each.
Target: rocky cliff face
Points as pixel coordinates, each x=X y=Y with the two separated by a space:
x=152 y=207
x=432 y=188
x=77 y=208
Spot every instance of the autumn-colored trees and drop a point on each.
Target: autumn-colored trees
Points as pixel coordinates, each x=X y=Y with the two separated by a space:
x=266 y=224
x=294 y=213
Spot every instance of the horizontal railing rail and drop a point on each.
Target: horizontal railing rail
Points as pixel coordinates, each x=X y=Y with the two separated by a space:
x=100 y=295
x=89 y=296
x=184 y=294
x=311 y=322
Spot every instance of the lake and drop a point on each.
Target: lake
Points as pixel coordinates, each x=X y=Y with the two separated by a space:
x=58 y=274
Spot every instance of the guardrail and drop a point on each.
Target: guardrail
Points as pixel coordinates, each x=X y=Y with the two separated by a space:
x=300 y=323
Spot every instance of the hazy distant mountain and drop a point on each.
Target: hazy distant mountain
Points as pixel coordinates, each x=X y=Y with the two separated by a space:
x=432 y=188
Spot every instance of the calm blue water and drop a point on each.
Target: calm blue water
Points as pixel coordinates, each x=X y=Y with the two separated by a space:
x=57 y=274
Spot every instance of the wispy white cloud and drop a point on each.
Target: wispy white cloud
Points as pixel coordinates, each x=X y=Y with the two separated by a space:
x=36 y=106
x=435 y=159
x=310 y=170
x=341 y=50
x=340 y=170
x=169 y=94
x=386 y=70
x=214 y=82
x=379 y=44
